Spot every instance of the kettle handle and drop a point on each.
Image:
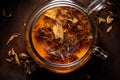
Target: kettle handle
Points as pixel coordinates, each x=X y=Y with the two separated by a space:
x=95 y=5
x=91 y=5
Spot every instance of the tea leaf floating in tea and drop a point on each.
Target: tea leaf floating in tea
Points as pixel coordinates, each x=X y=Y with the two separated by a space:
x=51 y=13
x=58 y=32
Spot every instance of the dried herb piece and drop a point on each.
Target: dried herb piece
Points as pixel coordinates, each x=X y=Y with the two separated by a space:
x=15 y=56
x=10 y=53
x=58 y=31
x=111 y=13
x=23 y=56
x=100 y=19
x=74 y=20
x=109 y=29
x=9 y=60
x=109 y=19
x=29 y=66
x=14 y=35
x=51 y=13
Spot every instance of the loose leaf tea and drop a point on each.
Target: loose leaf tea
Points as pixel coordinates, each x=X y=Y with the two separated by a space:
x=62 y=35
x=14 y=35
x=100 y=19
x=109 y=19
x=14 y=55
x=109 y=29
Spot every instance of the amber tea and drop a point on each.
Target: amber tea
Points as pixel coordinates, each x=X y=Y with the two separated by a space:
x=62 y=35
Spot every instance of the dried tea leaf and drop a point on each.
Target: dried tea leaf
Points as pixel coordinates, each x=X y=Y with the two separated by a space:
x=62 y=57
x=100 y=19
x=109 y=19
x=51 y=13
x=15 y=56
x=109 y=29
x=9 y=60
x=75 y=20
x=12 y=37
x=28 y=67
x=50 y=51
x=29 y=62
x=58 y=31
x=23 y=56
x=111 y=13
x=105 y=6
x=10 y=53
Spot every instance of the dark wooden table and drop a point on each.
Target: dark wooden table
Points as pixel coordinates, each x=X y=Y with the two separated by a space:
x=96 y=69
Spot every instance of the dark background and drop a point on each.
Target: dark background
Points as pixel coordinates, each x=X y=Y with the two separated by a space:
x=95 y=69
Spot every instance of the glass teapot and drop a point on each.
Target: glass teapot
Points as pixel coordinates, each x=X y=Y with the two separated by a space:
x=58 y=39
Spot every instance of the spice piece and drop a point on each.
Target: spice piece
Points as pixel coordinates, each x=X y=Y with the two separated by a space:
x=12 y=37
